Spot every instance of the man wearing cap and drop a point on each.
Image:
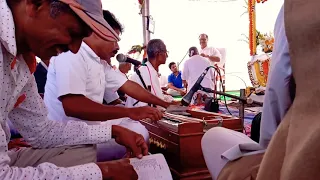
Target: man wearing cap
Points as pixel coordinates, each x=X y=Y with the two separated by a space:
x=77 y=84
x=45 y=28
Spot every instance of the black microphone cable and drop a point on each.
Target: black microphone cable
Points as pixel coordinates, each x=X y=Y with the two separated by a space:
x=223 y=89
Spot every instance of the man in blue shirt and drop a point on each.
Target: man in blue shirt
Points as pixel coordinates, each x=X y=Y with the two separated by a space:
x=175 y=81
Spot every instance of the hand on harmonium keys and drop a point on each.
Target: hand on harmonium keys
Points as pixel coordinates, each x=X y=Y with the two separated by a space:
x=145 y=112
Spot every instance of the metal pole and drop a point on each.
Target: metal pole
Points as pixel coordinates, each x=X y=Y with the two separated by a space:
x=147 y=8
x=241 y=108
x=145 y=14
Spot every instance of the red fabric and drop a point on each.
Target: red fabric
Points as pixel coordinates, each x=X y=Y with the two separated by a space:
x=13 y=63
x=17 y=143
x=20 y=100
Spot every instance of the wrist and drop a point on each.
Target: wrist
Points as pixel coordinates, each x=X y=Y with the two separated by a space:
x=115 y=131
x=104 y=170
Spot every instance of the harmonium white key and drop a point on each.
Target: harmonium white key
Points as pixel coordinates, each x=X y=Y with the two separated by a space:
x=171 y=125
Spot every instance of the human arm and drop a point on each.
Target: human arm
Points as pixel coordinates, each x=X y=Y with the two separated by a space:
x=116 y=81
x=185 y=84
x=185 y=75
x=277 y=98
x=131 y=88
x=213 y=56
x=29 y=117
x=115 y=102
x=171 y=86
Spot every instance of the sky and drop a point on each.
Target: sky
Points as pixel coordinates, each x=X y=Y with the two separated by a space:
x=179 y=22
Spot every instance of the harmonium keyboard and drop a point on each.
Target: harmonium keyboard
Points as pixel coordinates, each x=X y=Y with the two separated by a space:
x=178 y=138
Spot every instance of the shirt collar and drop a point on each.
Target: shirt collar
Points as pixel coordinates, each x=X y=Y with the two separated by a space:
x=90 y=52
x=151 y=67
x=7 y=37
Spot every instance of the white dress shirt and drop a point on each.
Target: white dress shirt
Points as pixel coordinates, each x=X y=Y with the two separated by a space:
x=211 y=51
x=83 y=73
x=192 y=70
x=29 y=116
x=277 y=98
x=150 y=77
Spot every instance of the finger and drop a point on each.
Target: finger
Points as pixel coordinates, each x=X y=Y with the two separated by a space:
x=136 y=149
x=151 y=116
x=160 y=114
x=143 y=145
x=134 y=175
x=156 y=114
x=128 y=153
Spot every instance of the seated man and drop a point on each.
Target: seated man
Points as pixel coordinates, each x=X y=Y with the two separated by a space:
x=157 y=55
x=192 y=70
x=77 y=83
x=175 y=87
x=41 y=75
x=63 y=151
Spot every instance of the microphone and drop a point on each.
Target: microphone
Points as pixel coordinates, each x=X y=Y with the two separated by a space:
x=122 y=58
x=186 y=100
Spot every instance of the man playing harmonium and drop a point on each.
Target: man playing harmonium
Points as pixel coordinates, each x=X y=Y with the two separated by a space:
x=77 y=83
x=148 y=78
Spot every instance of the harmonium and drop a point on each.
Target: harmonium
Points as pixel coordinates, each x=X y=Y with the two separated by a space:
x=178 y=138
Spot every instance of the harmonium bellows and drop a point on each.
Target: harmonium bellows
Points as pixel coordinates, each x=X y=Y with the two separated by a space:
x=178 y=138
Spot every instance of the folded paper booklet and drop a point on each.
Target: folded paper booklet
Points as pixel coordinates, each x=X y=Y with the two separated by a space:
x=151 y=167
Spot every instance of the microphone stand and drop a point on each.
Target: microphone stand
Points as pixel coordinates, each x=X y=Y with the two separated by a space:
x=242 y=100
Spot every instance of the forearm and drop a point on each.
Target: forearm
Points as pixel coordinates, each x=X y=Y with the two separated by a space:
x=174 y=88
x=185 y=84
x=135 y=91
x=81 y=107
x=214 y=58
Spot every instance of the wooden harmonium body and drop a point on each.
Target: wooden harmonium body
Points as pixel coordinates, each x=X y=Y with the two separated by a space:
x=178 y=138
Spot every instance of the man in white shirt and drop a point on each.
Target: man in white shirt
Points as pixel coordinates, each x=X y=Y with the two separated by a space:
x=210 y=52
x=60 y=151
x=157 y=55
x=192 y=69
x=278 y=100
x=76 y=86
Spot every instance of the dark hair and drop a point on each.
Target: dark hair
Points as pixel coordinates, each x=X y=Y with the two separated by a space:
x=112 y=21
x=155 y=46
x=56 y=6
x=171 y=64
x=204 y=35
x=193 y=51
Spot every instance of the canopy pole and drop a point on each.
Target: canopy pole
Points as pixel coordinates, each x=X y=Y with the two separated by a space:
x=145 y=15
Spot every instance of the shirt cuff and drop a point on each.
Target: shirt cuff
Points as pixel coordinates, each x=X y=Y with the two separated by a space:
x=86 y=171
x=100 y=133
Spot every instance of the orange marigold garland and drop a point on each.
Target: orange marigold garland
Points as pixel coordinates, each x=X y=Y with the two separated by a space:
x=252 y=27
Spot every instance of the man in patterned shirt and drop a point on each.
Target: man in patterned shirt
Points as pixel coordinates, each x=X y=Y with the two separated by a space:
x=46 y=28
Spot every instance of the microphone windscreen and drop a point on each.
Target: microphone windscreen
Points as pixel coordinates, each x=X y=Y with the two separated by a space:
x=121 y=58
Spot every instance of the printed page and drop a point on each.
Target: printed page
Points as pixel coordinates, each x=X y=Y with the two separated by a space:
x=152 y=167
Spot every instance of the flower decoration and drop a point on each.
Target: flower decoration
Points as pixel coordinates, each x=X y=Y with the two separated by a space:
x=266 y=42
x=136 y=49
